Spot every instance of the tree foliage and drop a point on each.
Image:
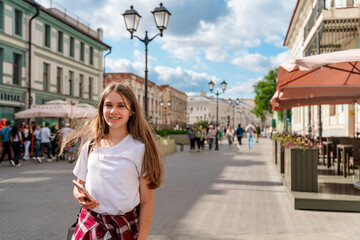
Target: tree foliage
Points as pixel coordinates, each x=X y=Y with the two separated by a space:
x=264 y=91
x=202 y=123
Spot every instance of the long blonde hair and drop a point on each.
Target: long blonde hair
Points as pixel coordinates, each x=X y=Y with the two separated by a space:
x=96 y=129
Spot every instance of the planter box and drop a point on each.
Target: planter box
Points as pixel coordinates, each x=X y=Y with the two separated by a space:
x=279 y=157
x=274 y=149
x=301 y=169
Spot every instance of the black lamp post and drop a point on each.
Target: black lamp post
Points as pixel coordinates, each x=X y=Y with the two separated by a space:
x=211 y=87
x=233 y=104
x=132 y=19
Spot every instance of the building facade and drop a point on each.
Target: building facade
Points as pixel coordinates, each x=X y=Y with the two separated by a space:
x=166 y=104
x=60 y=59
x=203 y=108
x=318 y=27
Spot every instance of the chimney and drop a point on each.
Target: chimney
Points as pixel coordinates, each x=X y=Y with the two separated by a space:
x=100 y=34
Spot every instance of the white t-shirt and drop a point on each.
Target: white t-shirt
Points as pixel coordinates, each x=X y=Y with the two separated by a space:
x=112 y=175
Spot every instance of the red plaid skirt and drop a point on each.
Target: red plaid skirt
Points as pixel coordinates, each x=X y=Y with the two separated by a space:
x=92 y=225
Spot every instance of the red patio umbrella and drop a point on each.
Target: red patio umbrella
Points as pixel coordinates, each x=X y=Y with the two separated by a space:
x=329 y=78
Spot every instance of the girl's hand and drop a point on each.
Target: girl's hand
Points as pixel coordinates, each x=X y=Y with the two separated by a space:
x=85 y=202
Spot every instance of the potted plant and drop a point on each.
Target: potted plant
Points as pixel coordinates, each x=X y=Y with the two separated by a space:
x=301 y=160
x=280 y=140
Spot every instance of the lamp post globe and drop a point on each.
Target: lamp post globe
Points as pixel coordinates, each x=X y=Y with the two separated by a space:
x=132 y=19
x=161 y=17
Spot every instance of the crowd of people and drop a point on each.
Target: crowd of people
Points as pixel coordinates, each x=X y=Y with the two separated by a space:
x=33 y=140
x=200 y=136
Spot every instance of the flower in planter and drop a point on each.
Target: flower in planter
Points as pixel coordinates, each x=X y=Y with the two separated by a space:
x=294 y=141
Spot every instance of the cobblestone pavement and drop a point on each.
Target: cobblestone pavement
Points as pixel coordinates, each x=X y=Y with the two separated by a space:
x=226 y=194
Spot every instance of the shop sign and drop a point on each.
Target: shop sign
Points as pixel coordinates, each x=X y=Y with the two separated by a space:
x=10 y=97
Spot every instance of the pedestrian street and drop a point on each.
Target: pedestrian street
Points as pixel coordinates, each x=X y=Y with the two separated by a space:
x=225 y=194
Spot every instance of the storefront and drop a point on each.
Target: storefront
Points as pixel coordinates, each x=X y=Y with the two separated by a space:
x=10 y=103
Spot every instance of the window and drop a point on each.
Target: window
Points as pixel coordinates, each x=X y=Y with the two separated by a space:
x=47 y=35
x=91 y=60
x=46 y=84
x=18 y=22
x=71 y=75
x=82 y=52
x=81 y=86
x=90 y=87
x=72 y=46
x=60 y=41
x=59 y=73
x=16 y=68
x=1 y=15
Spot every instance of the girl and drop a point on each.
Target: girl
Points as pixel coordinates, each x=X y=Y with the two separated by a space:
x=27 y=141
x=120 y=165
x=230 y=135
x=16 y=140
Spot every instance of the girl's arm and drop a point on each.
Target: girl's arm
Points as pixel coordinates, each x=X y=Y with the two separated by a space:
x=146 y=208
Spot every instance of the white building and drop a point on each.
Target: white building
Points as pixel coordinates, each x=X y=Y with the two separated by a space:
x=336 y=24
x=203 y=108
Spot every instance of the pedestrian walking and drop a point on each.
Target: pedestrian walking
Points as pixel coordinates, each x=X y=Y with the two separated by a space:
x=27 y=136
x=5 y=133
x=239 y=134
x=191 y=135
x=230 y=135
x=120 y=165
x=37 y=144
x=54 y=140
x=198 y=133
x=21 y=128
x=45 y=142
x=211 y=136
x=202 y=137
x=250 y=129
x=70 y=148
x=16 y=140
x=220 y=134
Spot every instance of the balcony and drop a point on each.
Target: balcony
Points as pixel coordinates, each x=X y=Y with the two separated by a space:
x=336 y=22
x=327 y=5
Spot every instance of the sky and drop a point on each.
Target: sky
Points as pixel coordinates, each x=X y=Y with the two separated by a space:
x=238 y=41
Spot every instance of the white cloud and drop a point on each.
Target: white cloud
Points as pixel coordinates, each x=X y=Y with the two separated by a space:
x=258 y=63
x=124 y=65
x=246 y=24
x=242 y=89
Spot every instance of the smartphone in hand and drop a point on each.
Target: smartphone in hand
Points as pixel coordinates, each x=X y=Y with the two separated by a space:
x=82 y=189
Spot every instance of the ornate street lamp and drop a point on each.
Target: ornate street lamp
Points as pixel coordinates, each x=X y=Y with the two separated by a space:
x=233 y=104
x=132 y=19
x=211 y=87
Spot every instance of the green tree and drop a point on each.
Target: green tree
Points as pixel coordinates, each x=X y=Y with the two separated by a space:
x=264 y=91
x=202 y=123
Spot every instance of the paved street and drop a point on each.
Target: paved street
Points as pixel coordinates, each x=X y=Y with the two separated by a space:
x=208 y=195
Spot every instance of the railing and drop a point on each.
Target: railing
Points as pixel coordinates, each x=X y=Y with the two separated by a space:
x=320 y=5
x=52 y=4
x=341 y=3
x=327 y=4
